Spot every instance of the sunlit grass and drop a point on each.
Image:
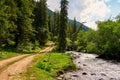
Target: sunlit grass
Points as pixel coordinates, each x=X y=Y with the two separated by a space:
x=6 y=54
x=48 y=66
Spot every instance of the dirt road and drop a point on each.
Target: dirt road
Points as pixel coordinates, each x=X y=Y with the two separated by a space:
x=20 y=64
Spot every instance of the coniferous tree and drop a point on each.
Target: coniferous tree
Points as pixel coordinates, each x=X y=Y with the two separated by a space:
x=7 y=21
x=74 y=26
x=11 y=11
x=56 y=25
x=41 y=22
x=63 y=26
x=50 y=27
x=3 y=22
x=24 y=21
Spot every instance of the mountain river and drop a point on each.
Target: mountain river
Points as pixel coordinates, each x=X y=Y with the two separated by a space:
x=91 y=68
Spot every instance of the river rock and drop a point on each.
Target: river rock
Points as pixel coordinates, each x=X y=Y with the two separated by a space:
x=93 y=74
x=84 y=65
x=59 y=78
x=101 y=79
x=78 y=62
x=79 y=68
x=74 y=56
x=113 y=79
x=84 y=73
x=103 y=74
x=75 y=75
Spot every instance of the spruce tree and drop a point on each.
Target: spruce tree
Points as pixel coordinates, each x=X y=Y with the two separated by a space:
x=7 y=21
x=24 y=31
x=74 y=26
x=3 y=22
x=50 y=27
x=11 y=11
x=63 y=26
x=56 y=25
x=41 y=22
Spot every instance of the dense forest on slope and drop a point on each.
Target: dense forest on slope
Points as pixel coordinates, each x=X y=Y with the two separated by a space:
x=26 y=24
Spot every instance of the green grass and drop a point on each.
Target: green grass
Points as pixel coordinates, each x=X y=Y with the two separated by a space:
x=6 y=54
x=8 y=51
x=48 y=66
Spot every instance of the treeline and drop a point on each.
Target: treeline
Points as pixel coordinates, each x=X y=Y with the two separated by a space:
x=23 y=23
x=16 y=18
x=105 y=41
x=27 y=24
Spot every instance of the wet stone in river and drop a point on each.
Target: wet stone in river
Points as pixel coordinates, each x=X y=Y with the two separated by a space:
x=93 y=74
x=84 y=73
x=103 y=74
x=78 y=62
x=59 y=78
x=101 y=79
x=113 y=79
x=84 y=65
x=75 y=75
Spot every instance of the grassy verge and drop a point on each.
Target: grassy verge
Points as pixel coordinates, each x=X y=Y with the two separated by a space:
x=9 y=52
x=48 y=66
x=6 y=54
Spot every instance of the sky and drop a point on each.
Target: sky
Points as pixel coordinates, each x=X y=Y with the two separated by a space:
x=89 y=11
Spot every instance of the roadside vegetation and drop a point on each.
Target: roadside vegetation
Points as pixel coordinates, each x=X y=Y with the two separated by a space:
x=9 y=51
x=5 y=54
x=49 y=66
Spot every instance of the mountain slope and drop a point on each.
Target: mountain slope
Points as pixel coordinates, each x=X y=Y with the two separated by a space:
x=70 y=20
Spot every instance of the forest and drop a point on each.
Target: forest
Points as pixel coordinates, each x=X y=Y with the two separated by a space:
x=27 y=27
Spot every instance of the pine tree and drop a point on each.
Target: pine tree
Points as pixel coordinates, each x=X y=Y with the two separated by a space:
x=50 y=27
x=11 y=11
x=7 y=21
x=63 y=26
x=56 y=22
x=74 y=26
x=3 y=22
x=24 y=21
x=41 y=22
x=56 y=25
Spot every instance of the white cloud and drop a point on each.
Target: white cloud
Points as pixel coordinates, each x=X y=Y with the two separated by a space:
x=119 y=1
x=53 y=4
x=85 y=10
x=106 y=0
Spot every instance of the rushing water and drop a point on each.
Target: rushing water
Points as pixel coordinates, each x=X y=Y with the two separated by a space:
x=92 y=68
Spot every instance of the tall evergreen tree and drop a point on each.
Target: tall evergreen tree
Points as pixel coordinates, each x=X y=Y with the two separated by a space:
x=3 y=22
x=74 y=26
x=50 y=27
x=24 y=21
x=7 y=21
x=63 y=26
x=11 y=11
x=41 y=21
x=56 y=23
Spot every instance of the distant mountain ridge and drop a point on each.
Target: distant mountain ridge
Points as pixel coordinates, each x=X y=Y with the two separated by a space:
x=70 y=20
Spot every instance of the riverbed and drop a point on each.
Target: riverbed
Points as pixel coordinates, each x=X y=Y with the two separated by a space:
x=91 y=68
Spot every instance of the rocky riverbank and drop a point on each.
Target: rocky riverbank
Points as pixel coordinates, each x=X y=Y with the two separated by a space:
x=91 y=68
